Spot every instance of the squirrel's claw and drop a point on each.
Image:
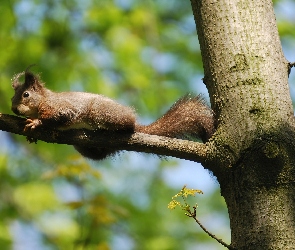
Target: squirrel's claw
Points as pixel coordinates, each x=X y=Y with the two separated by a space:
x=32 y=124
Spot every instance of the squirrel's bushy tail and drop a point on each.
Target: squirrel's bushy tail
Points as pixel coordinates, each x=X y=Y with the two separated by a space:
x=189 y=117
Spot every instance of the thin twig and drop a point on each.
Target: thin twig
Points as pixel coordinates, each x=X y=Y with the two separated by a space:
x=193 y=215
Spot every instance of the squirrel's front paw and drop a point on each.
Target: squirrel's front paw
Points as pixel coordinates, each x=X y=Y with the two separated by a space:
x=32 y=124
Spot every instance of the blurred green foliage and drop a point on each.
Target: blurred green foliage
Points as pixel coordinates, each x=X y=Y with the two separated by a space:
x=142 y=53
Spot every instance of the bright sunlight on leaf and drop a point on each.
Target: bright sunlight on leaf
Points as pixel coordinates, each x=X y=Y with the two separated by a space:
x=184 y=193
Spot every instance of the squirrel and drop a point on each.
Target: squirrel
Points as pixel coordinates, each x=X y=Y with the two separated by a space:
x=188 y=117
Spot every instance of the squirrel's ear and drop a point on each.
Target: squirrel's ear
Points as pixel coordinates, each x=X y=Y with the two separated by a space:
x=15 y=80
x=30 y=79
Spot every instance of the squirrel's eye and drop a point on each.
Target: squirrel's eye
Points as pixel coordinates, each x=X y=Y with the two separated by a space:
x=26 y=94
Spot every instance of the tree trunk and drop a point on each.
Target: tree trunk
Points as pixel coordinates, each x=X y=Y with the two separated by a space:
x=252 y=152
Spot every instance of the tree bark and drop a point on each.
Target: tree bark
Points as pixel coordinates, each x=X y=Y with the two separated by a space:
x=252 y=151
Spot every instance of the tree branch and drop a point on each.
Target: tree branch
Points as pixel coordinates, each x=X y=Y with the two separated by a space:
x=118 y=140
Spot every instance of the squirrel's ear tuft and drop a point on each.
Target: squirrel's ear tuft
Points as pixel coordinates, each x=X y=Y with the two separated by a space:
x=15 y=80
x=30 y=78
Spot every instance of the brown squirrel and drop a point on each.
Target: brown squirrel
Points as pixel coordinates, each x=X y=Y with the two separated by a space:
x=189 y=116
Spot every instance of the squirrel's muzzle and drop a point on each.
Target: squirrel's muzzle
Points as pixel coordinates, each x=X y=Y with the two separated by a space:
x=15 y=110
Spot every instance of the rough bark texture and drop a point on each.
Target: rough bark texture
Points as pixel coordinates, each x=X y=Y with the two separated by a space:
x=252 y=152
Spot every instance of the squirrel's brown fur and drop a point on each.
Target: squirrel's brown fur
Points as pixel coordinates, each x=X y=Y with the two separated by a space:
x=188 y=117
